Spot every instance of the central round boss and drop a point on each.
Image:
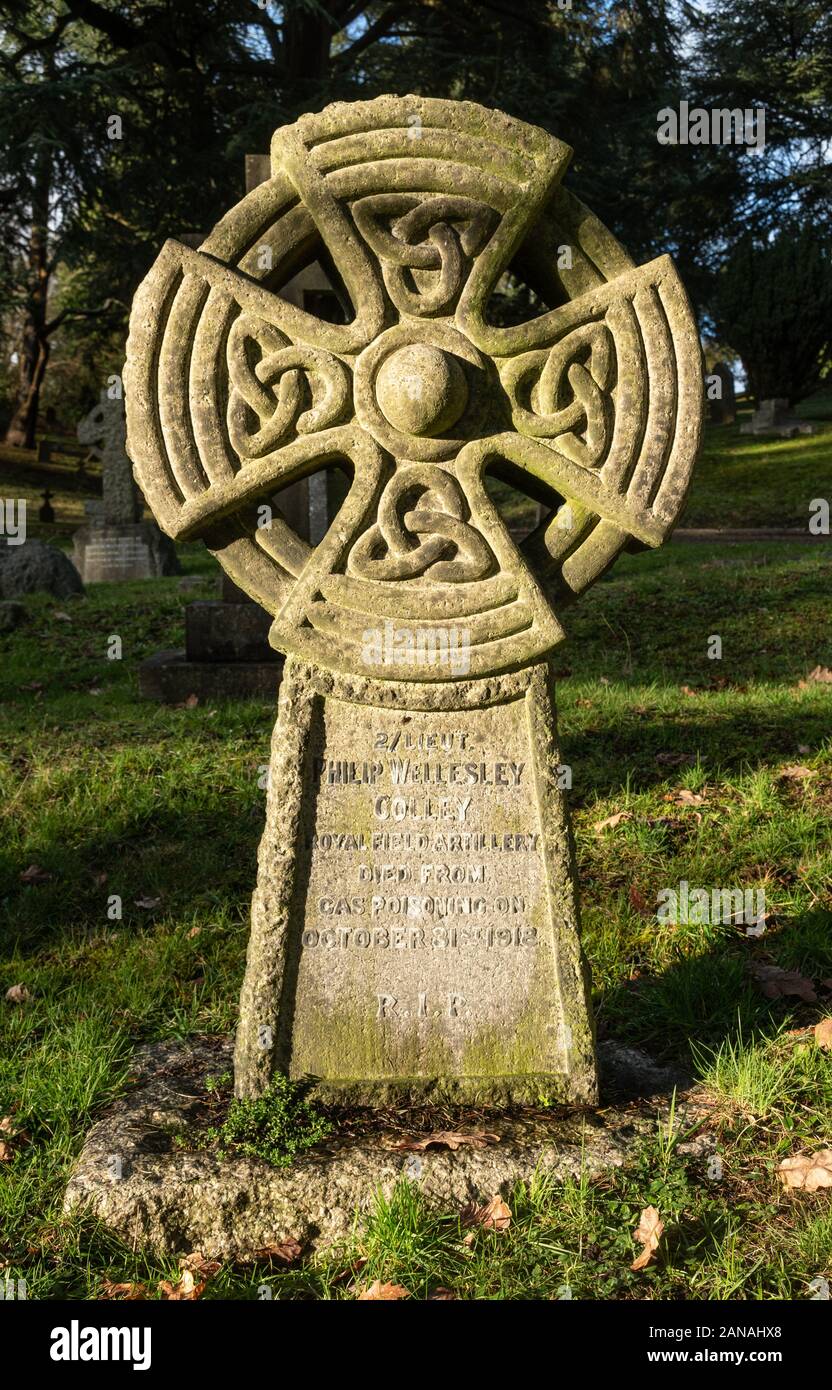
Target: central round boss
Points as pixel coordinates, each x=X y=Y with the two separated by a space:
x=421 y=389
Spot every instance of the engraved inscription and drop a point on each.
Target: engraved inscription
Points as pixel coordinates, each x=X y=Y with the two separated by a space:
x=424 y=934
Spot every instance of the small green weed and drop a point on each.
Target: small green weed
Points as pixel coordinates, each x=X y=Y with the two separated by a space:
x=277 y=1127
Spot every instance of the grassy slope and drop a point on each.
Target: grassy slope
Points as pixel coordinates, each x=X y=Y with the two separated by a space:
x=166 y=804
x=742 y=480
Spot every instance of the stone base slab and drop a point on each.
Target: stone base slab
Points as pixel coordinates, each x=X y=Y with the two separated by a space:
x=177 y=1202
x=782 y=429
x=169 y=677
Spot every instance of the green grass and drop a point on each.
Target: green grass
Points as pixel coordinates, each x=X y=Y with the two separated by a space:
x=21 y=476
x=161 y=808
x=744 y=480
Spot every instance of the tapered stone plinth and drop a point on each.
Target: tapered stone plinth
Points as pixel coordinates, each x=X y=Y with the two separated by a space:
x=415 y=924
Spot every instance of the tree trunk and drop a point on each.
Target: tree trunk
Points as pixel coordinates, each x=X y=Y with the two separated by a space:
x=34 y=350
x=307 y=35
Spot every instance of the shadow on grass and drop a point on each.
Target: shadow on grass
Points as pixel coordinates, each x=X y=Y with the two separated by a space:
x=709 y=998
x=190 y=859
x=607 y=758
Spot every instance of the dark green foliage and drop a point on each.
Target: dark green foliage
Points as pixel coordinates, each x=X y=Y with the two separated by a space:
x=277 y=1127
x=773 y=303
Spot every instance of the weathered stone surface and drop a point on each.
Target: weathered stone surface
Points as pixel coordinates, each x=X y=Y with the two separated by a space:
x=169 y=677
x=104 y=430
x=217 y=631
x=416 y=623
x=180 y=1201
x=435 y=948
x=111 y=553
x=723 y=407
x=37 y=566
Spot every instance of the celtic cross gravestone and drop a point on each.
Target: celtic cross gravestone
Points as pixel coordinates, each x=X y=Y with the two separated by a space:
x=415 y=921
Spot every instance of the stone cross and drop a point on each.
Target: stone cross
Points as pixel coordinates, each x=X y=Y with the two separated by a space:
x=116 y=544
x=415 y=922
x=104 y=430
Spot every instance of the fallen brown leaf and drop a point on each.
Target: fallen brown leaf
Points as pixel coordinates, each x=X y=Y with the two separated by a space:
x=494 y=1216
x=778 y=984
x=647 y=1233
x=823 y=1034
x=688 y=690
x=285 y=1252
x=34 y=874
x=683 y=797
x=352 y=1269
x=820 y=673
x=185 y=1291
x=796 y=772
x=196 y=1263
x=637 y=899
x=193 y=932
x=17 y=994
x=612 y=821
x=378 y=1292
x=441 y=1295
x=448 y=1139
x=147 y=903
x=125 y=1293
x=6 y=1152
x=809 y=1172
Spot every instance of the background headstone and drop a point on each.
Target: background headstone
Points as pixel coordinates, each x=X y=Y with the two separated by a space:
x=773 y=418
x=116 y=544
x=723 y=408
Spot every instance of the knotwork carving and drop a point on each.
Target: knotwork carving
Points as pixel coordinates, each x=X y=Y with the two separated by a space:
x=566 y=390
x=421 y=530
x=233 y=392
x=286 y=366
x=426 y=248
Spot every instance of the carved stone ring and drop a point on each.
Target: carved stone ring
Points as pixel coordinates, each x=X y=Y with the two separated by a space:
x=416 y=207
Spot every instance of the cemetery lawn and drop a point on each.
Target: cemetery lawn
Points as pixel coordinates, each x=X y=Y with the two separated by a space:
x=718 y=772
x=742 y=480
